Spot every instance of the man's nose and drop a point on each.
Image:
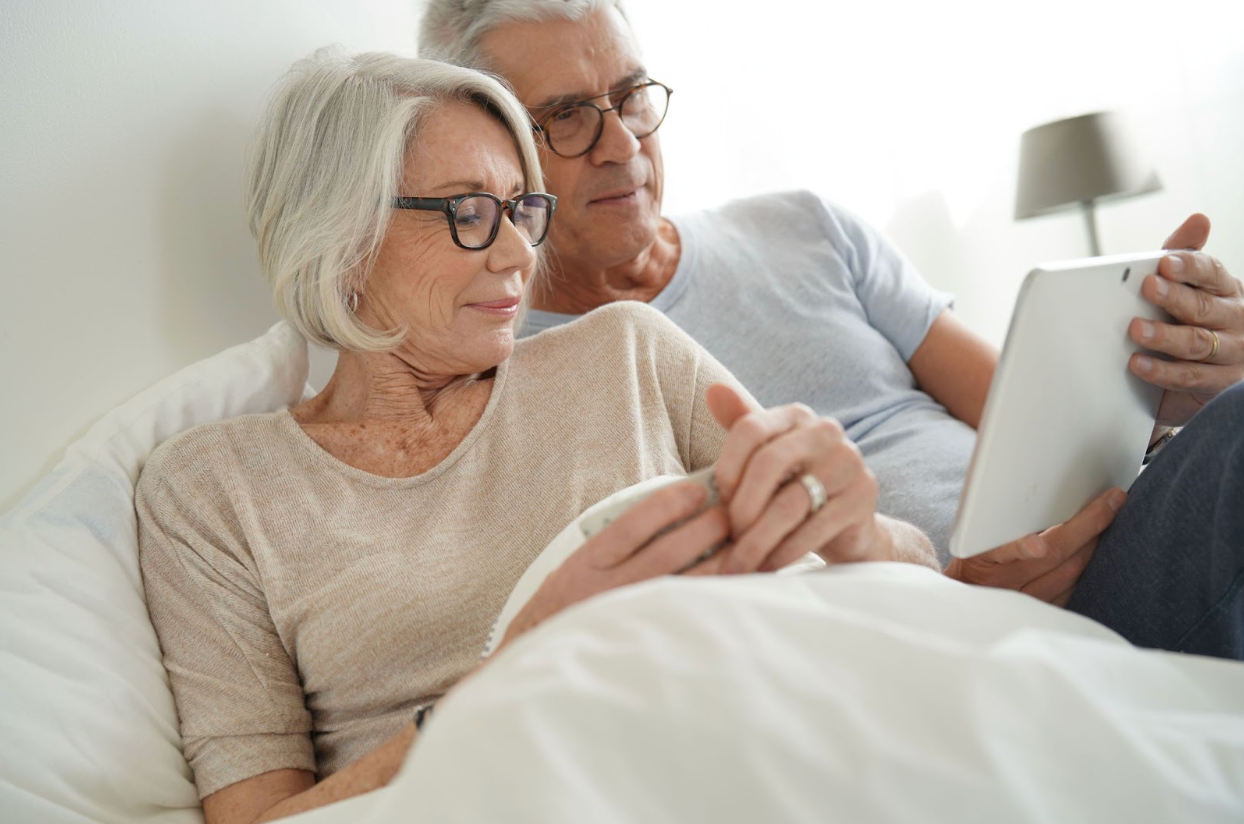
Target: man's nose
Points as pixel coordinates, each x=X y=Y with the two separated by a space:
x=617 y=143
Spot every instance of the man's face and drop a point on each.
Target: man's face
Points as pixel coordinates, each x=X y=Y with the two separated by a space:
x=609 y=200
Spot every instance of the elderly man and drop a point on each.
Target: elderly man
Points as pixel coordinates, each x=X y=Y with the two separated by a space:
x=804 y=302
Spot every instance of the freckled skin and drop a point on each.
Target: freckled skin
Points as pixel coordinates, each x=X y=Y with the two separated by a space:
x=400 y=413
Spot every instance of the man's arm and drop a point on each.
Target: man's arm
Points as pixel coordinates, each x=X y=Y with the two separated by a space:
x=955 y=366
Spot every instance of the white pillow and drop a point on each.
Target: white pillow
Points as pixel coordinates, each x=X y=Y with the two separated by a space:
x=89 y=728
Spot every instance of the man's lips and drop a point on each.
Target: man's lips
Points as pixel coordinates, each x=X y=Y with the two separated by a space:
x=616 y=195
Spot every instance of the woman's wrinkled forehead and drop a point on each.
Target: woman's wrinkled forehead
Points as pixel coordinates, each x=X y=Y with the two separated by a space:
x=458 y=147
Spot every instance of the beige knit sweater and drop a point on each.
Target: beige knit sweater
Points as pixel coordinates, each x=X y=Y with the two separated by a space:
x=305 y=608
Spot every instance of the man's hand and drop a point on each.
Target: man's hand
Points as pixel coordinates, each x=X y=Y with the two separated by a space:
x=1207 y=303
x=1048 y=565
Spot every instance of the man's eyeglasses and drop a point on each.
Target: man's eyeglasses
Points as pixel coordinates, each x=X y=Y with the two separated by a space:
x=474 y=218
x=572 y=130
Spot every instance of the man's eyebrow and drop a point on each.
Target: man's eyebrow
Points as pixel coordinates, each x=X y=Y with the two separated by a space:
x=633 y=79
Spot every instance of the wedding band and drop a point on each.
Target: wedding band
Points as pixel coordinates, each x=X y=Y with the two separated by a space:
x=816 y=491
x=1214 y=350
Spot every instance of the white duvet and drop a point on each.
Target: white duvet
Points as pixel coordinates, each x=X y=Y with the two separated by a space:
x=877 y=692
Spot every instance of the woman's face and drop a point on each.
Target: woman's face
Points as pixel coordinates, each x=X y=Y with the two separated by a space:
x=458 y=305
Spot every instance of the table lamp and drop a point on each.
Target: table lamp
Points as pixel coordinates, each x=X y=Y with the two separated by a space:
x=1077 y=162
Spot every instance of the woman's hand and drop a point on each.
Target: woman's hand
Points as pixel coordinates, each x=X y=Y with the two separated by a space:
x=630 y=550
x=771 y=515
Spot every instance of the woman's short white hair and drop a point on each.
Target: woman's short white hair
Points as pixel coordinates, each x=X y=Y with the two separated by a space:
x=326 y=161
x=451 y=29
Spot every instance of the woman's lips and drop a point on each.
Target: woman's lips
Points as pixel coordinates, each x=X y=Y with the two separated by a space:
x=501 y=308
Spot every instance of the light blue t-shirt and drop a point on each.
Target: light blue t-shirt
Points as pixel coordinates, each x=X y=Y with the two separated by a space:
x=804 y=302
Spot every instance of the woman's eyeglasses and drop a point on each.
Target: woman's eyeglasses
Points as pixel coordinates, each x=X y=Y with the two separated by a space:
x=573 y=130
x=474 y=218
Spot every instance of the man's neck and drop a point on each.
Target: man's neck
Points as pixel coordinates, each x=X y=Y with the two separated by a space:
x=574 y=289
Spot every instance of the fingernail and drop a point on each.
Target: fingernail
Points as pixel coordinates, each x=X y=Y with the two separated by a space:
x=1144 y=364
x=1174 y=263
x=1146 y=330
x=1116 y=499
x=1160 y=285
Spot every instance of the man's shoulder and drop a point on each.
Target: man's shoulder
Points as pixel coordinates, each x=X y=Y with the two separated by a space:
x=774 y=217
x=802 y=201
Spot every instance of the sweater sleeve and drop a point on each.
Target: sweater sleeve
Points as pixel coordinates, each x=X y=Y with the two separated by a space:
x=686 y=370
x=238 y=694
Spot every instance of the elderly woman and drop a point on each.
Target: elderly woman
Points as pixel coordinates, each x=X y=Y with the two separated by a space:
x=320 y=575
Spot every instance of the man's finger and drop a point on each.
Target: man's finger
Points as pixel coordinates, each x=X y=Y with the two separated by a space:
x=1191 y=234
x=1195 y=269
x=1187 y=343
x=1068 y=538
x=1062 y=579
x=1182 y=376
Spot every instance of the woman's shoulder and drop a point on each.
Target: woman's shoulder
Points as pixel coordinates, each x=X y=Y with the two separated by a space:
x=211 y=450
x=621 y=325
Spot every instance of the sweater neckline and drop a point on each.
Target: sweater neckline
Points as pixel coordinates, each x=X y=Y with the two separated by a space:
x=324 y=459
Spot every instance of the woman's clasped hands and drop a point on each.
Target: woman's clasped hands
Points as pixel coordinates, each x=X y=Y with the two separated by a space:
x=790 y=483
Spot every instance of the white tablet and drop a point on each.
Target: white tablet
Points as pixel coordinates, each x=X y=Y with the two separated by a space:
x=1064 y=419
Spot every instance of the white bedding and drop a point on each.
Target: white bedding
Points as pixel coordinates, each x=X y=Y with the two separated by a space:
x=866 y=693
x=879 y=692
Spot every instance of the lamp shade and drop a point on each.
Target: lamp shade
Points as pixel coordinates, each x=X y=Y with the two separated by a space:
x=1077 y=161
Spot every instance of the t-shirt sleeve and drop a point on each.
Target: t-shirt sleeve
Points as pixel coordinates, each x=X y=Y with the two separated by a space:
x=898 y=301
x=238 y=694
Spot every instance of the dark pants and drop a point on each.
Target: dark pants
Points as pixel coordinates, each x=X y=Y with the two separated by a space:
x=1169 y=572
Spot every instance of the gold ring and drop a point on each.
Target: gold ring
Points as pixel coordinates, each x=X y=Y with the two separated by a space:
x=816 y=491
x=1214 y=350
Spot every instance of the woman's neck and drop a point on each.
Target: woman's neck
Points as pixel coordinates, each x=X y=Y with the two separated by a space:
x=379 y=414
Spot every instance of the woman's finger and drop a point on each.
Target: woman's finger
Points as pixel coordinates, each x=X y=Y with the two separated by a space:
x=642 y=522
x=748 y=434
x=678 y=549
x=829 y=532
x=818 y=445
x=785 y=512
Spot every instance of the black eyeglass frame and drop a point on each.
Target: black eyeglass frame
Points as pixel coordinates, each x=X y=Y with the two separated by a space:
x=449 y=207
x=541 y=126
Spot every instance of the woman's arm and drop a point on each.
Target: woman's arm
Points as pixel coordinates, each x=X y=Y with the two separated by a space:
x=955 y=366
x=282 y=793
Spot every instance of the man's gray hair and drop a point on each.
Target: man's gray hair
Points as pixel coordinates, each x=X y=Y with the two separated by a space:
x=326 y=161
x=451 y=29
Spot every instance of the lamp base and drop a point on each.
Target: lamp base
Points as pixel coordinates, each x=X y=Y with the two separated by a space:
x=1090 y=225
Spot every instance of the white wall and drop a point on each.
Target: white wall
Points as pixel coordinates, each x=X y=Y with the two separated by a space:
x=124 y=252
x=909 y=112
x=124 y=255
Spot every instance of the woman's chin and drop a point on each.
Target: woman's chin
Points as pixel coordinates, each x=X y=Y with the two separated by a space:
x=488 y=351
